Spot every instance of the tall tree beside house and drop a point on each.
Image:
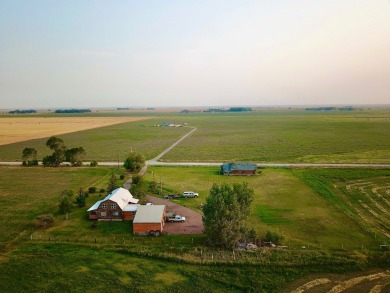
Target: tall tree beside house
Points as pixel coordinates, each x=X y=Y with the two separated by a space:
x=66 y=201
x=134 y=162
x=112 y=183
x=80 y=199
x=29 y=157
x=224 y=213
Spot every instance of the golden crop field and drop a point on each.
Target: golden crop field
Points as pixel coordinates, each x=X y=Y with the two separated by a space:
x=22 y=129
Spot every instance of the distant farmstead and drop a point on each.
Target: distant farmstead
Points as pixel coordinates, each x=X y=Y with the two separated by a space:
x=238 y=169
x=117 y=206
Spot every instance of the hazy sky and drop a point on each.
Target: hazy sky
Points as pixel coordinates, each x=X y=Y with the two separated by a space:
x=192 y=53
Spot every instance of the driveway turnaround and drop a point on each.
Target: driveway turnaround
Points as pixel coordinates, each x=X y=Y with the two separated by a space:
x=193 y=223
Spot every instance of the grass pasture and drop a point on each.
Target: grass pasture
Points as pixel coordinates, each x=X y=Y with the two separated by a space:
x=59 y=268
x=22 y=129
x=283 y=203
x=28 y=193
x=287 y=136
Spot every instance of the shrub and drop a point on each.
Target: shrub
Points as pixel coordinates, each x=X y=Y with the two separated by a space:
x=136 y=179
x=273 y=237
x=44 y=221
x=153 y=187
x=121 y=177
x=93 y=164
x=102 y=190
x=92 y=189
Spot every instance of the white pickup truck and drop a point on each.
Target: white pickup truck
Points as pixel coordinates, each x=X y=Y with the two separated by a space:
x=187 y=194
x=176 y=218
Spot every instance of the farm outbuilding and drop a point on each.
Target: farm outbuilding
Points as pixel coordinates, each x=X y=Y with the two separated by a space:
x=117 y=206
x=238 y=169
x=149 y=219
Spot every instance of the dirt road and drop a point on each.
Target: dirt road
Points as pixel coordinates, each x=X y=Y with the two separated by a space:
x=193 y=223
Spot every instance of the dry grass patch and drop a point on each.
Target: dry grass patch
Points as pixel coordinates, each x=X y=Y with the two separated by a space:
x=21 y=129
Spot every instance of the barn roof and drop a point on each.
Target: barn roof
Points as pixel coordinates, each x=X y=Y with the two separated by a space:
x=130 y=208
x=149 y=214
x=229 y=167
x=120 y=196
x=95 y=206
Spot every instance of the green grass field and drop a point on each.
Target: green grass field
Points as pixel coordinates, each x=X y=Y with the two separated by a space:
x=26 y=193
x=260 y=136
x=106 y=254
x=283 y=203
x=288 y=136
x=59 y=268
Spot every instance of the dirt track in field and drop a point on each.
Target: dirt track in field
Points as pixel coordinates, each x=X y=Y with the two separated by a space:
x=21 y=129
x=193 y=223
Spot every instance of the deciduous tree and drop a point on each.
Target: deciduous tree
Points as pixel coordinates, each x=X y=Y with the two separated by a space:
x=134 y=162
x=75 y=156
x=225 y=212
x=29 y=156
x=66 y=201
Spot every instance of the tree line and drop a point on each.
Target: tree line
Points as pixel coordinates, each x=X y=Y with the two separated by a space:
x=60 y=154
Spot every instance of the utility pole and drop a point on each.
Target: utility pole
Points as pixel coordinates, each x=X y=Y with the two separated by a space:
x=160 y=185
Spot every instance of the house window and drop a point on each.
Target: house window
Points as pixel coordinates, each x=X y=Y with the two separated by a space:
x=103 y=214
x=113 y=206
x=104 y=206
x=115 y=213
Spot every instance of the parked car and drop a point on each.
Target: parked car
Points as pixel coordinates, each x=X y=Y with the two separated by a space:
x=170 y=196
x=187 y=194
x=176 y=218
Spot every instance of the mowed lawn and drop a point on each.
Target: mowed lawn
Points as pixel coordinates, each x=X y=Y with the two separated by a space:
x=28 y=192
x=108 y=143
x=283 y=204
x=287 y=136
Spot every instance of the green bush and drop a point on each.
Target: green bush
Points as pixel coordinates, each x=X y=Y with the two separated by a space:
x=93 y=163
x=92 y=189
x=274 y=237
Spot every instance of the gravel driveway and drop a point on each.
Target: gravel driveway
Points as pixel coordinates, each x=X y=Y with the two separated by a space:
x=193 y=223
